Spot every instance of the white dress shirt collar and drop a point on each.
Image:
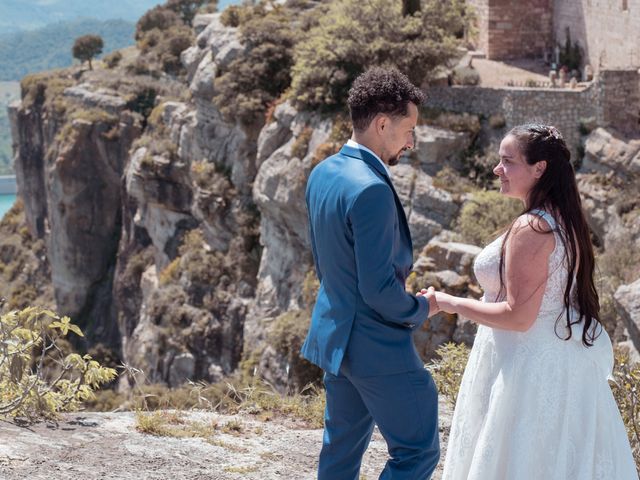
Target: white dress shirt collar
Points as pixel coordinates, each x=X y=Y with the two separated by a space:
x=353 y=144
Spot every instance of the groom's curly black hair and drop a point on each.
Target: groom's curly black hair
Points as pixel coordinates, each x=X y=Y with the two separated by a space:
x=381 y=90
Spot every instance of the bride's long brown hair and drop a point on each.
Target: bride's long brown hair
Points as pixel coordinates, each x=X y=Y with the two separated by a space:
x=557 y=192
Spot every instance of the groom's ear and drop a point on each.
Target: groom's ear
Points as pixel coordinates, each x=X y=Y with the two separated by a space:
x=540 y=168
x=380 y=123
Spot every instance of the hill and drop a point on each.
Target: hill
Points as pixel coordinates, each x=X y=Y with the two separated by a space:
x=16 y=15
x=50 y=47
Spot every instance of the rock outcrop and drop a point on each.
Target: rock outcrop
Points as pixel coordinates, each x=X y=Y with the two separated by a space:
x=178 y=236
x=627 y=299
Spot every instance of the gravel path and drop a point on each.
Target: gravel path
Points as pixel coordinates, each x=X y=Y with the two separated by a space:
x=107 y=446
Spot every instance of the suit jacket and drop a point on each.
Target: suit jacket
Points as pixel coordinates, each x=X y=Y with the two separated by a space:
x=363 y=254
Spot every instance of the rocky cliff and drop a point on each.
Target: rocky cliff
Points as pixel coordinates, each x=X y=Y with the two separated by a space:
x=177 y=236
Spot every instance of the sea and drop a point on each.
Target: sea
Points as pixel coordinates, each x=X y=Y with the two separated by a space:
x=6 y=201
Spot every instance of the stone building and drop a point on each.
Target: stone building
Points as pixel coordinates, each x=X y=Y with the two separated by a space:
x=608 y=31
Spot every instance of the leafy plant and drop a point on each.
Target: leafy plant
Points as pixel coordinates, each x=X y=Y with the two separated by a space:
x=29 y=341
x=484 y=214
x=448 y=370
x=353 y=36
x=625 y=383
x=570 y=54
x=256 y=79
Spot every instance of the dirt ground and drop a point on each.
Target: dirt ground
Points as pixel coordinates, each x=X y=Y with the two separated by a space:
x=107 y=446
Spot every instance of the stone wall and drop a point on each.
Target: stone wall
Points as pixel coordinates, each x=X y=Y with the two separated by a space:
x=564 y=108
x=514 y=28
x=620 y=100
x=612 y=101
x=607 y=30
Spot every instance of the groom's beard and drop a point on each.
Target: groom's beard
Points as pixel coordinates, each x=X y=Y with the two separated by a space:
x=393 y=161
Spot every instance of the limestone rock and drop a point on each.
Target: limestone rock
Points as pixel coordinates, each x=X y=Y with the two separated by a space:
x=606 y=152
x=103 y=99
x=627 y=301
x=436 y=146
x=428 y=208
x=454 y=256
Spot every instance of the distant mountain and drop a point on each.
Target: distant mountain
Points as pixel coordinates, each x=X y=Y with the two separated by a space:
x=18 y=15
x=50 y=47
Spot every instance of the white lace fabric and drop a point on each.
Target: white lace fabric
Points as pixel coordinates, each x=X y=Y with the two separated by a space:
x=531 y=405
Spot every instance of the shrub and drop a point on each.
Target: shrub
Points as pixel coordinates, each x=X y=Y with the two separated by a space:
x=255 y=80
x=233 y=15
x=626 y=380
x=465 y=75
x=113 y=59
x=478 y=166
x=484 y=214
x=300 y=146
x=340 y=133
x=157 y=18
x=162 y=34
x=353 y=36
x=570 y=55
x=286 y=335
x=497 y=121
x=457 y=122
x=448 y=370
x=32 y=337
x=186 y=9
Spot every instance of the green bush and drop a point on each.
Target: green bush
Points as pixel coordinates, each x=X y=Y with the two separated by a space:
x=31 y=339
x=570 y=54
x=300 y=146
x=113 y=59
x=286 y=335
x=484 y=214
x=233 y=15
x=464 y=75
x=458 y=122
x=255 y=80
x=187 y=9
x=159 y=18
x=162 y=34
x=448 y=370
x=353 y=36
x=625 y=387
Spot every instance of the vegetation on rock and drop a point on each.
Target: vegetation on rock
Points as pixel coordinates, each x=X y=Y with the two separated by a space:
x=31 y=342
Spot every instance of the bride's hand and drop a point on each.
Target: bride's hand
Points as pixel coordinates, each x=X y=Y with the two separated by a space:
x=431 y=298
x=444 y=301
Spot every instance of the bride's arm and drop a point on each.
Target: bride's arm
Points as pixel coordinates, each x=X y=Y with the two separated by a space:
x=526 y=270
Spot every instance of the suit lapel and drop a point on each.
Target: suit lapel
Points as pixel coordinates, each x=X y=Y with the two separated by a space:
x=375 y=164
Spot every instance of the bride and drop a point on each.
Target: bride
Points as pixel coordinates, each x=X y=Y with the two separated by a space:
x=534 y=402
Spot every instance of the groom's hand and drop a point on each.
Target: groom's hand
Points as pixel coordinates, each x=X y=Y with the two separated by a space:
x=430 y=293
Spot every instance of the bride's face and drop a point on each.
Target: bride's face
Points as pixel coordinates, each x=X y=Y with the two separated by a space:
x=517 y=177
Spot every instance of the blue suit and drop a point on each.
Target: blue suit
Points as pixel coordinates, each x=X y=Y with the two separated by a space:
x=362 y=322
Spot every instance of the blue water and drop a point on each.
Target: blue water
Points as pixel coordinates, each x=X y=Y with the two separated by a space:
x=6 y=201
x=222 y=4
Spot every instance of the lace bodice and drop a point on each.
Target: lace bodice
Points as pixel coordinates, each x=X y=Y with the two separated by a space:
x=487 y=263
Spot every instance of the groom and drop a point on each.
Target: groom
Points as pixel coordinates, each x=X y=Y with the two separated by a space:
x=363 y=319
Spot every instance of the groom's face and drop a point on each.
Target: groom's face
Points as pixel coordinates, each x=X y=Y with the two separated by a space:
x=397 y=136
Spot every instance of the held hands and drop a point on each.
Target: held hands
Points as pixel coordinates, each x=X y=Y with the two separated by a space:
x=430 y=293
x=438 y=301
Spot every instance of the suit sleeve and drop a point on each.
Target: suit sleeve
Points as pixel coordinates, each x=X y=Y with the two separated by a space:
x=373 y=222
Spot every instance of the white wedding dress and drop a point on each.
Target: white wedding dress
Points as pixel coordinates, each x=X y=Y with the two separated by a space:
x=531 y=405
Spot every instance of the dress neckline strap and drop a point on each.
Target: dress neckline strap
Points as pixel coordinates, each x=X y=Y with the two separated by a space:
x=546 y=215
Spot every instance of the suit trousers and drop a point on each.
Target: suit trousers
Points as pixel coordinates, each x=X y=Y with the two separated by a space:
x=405 y=408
